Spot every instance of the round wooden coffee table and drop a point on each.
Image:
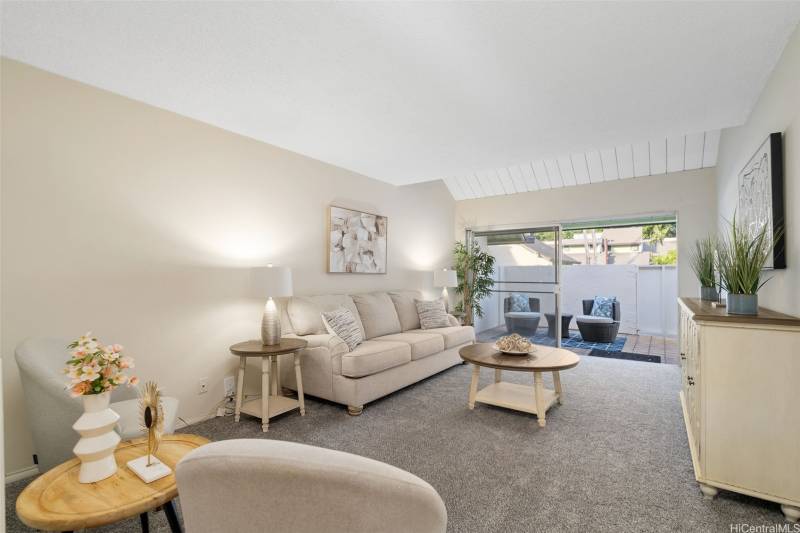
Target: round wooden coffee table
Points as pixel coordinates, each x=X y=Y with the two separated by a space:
x=56 y=501
x=536 y=400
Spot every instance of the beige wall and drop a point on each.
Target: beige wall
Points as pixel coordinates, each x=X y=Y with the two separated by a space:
x=777 y=109
x=139 y=224
x=690 y=194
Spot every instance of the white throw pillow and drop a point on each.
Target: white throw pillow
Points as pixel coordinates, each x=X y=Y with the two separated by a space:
x=432 y=314
x=342 y=323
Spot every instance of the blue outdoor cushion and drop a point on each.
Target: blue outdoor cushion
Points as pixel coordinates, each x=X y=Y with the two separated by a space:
x=603 y=306
x=519 y=302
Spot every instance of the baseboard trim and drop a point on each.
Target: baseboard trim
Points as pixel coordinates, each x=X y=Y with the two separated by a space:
x=185 y=422
x=24 y=473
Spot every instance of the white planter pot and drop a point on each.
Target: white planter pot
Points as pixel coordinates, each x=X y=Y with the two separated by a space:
x=98 y=440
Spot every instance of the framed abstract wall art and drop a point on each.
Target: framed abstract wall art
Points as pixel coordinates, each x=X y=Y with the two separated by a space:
x=356 y=242
x=761 y=197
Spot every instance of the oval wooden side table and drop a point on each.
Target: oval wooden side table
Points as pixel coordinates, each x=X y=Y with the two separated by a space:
x=271 y=402
x=56 y=501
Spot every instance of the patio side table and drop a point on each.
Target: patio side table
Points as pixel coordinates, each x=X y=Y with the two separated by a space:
x=566 y=318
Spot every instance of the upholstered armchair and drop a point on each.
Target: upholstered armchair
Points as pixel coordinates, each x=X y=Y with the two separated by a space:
x=255 y=485
x=598 y=329
x=522 y=322
x=52 y=411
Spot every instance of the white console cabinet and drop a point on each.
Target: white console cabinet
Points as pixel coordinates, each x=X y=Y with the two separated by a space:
x=741 y=402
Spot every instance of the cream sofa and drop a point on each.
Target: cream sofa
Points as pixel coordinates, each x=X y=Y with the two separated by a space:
x=395 y=354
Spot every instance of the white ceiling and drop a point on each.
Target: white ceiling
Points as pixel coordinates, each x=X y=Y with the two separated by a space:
x=648 y=158
x=407 y=92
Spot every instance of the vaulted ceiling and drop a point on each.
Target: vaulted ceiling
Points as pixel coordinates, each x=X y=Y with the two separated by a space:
x=538 y=93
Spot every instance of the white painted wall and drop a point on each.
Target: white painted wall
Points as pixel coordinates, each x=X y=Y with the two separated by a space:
x=777 y=109
x=657 y=287
x=140 y=225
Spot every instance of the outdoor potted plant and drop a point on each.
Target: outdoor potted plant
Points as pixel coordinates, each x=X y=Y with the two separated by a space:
x=474 y=268
x=740 y=258
x=703 y=263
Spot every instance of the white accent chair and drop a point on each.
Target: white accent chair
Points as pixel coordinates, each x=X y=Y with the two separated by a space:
x=52 y=411
x=255 y=485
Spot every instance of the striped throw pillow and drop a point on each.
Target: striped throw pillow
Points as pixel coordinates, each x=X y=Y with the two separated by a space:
x=342 y=323
x=432 y=314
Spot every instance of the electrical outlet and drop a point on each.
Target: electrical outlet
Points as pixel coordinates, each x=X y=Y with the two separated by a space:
x=203 y=386
x=229 y=385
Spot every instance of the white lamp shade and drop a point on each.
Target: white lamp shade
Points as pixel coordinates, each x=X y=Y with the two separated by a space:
x=445 y=278
x=272 y=281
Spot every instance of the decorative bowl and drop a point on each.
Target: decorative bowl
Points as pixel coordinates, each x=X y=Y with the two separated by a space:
x=511 y=352
x=514 y=344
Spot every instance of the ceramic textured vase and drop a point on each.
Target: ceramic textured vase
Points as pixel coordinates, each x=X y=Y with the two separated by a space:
x=742 y=304
x=98 y=439
x=709 y=294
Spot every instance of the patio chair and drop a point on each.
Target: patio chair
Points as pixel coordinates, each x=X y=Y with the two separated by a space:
x=522 y=322
x=598 y=328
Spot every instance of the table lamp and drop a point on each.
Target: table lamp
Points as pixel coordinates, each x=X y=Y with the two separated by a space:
x=271 y=282
x=445 y=278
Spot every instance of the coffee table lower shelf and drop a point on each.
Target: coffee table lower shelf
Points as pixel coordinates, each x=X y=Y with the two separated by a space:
x=515 y=396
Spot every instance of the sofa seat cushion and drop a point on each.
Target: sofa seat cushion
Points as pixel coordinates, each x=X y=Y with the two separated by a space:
x=377 y=313
x=452 y=336
x=422 y=344
x=589 y=319
x=371 y=357
x=522 y=314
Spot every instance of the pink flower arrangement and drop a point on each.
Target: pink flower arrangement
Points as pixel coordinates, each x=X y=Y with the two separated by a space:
x=95 y=368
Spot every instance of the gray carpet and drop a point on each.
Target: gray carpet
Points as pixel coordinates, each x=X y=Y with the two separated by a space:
x=614 y=457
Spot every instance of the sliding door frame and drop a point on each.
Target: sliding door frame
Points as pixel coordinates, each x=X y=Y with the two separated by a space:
x=469 y=238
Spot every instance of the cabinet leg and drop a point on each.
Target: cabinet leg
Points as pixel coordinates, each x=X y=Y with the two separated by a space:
x=473 y=386
x=791 y=513
x=538 y=392
x=239 y=388
x=355 y=410
x=708 y=491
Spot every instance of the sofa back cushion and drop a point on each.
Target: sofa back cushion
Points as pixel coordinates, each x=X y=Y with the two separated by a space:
x=305 y=312
x=406 y=308
x=377 y=313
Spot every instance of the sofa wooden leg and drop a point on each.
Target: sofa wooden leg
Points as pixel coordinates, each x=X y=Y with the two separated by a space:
x=355 y=410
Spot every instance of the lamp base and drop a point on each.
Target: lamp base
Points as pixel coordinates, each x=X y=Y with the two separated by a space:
x=270 y=325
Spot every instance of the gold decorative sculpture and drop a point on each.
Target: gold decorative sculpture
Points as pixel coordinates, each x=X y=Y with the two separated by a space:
x=149 y=468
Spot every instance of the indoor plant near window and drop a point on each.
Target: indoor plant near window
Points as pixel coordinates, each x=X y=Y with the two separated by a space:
x=94 y=371
x=703 y=263
x=740 y=258
x=475 y=268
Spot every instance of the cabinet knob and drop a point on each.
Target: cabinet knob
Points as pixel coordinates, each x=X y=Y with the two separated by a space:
x=690 y=379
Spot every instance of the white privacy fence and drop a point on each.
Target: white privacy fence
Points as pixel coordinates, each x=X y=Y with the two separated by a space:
x=647 y=294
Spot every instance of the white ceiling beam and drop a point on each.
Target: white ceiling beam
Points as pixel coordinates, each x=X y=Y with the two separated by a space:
x=676 y=153
x=530 y=178
x=609 y=160
x=516 y=177
x=595 y=165
x=553 y=173
x=567 y=172
x=658 y=156
x=710 y=149
x=580 y=168
x=540 y=171
x=505 y=179
x=625 y=161
x=641 y=159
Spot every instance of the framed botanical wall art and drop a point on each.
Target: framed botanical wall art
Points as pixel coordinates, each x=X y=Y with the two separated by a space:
x=357 y=242
x=761 y=197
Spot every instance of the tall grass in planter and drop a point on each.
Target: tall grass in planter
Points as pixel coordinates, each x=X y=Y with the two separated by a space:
x=740 y=259
x=702 y=262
